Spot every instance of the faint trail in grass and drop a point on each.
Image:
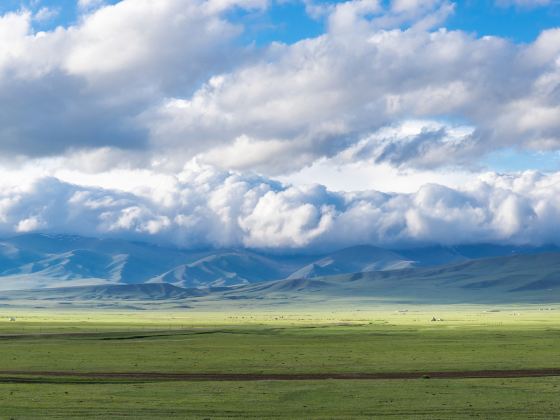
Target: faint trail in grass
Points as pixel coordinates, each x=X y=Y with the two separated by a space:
x=132 y=335
x=30 y=376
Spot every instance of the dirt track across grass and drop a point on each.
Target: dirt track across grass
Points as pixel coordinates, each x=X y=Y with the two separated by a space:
x=13 y=376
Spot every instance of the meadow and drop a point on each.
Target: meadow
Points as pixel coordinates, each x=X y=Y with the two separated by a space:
x=80 y=364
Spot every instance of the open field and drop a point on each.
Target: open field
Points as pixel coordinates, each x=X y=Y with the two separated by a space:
x=122 y=364
x=429 y=399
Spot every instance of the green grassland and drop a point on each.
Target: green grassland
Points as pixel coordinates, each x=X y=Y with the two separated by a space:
x=426 y=399
x=467 y=339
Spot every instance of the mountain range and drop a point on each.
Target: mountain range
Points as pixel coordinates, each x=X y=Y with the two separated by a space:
x=44 y=266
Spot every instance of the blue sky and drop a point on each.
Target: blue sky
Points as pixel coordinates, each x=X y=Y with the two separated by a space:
x=520 y=24
x=287 y=20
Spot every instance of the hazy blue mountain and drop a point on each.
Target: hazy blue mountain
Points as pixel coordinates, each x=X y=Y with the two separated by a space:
x=40 y=260
x=12 y=257
x=356 y=259
x=34 y=261
x=226 y=268
x=106 y=292
x=433 y=255
x=517 y=278
x=440 y=255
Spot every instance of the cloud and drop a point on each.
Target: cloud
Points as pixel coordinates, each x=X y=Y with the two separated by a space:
x=120 y=100
x=157 y=83
x=86 y=5
x=203 y=206
x=44 y=14
x=82 y=86
x=415 y=144
x=321 y=96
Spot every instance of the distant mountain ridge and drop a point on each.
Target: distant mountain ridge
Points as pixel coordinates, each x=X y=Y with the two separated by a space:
x=35 y=261
x=107 y=292
x=522 y=278
x=354 y=260
x=514 y=279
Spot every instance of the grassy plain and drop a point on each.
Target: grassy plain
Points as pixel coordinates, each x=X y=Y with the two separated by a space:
x=467 y=339
x=412 y=399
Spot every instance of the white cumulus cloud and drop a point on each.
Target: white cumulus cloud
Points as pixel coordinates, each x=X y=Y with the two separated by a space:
x=170 y=80
x=123 y=98
x=203 y=206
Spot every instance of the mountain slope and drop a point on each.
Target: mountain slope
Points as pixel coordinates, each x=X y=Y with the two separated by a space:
x=44 y=260
x=33 y=261
x=40 y=260
x=136 y=292
x=353 y=260
x=225 y=269
x=518 y=278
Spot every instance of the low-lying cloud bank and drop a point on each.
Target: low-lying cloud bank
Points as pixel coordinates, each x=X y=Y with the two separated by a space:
x=203 y=206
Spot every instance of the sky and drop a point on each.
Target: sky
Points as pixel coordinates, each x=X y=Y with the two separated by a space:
x=282 y=124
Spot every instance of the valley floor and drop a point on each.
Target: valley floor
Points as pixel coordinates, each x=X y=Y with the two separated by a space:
x=228 y=365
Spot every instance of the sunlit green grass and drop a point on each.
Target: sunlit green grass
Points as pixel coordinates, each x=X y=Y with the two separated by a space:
x=347 y=342
x=314 y=342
